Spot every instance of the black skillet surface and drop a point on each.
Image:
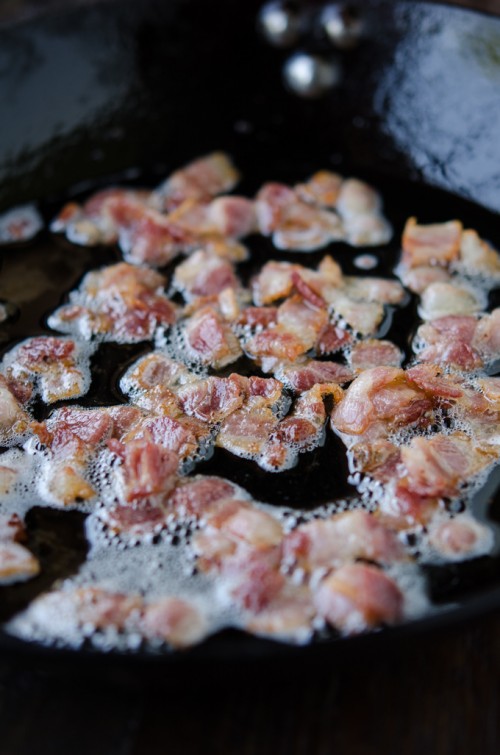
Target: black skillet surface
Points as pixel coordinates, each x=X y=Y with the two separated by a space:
x=102 y=91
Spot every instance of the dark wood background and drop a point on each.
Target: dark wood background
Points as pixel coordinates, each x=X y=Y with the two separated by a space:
x=436 y=694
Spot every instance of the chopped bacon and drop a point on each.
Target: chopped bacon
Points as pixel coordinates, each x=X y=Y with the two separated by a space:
x=204 y=274
x=321 y=189
x=246 y=431
x=486 y=339
x=372 y=289
x=148 y=469
x=358 y=597
x=357 y=198
x=444 y=299
x=367 y=229
x=306 y=291
x=173 y=620
x=121 y=302
x=374 y=353
x=402 y=508
x=56 y=365
x=477 y=257
x=213 y=399
x=156 y=372
x=437 y=244
x=329 y=543
x=295 y=224
x=200 y=180
x=430 y=378
x=379 y=400
x=20 y=224
x=254 y=316
x=179 y=434
x=379 y=459
x=135 y=521
x=288 y=615
x=436 y=466
x=460 y=538
x=17 y=563
x=302 y=377
x=418 y=278
x=194 y=497
x=363 y=316
x=274 y=281
x=210 y=340
x=332 y=338
x=12 y=528
x=14 y=420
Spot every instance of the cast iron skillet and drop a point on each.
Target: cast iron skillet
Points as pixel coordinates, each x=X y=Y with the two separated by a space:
x=134 y=90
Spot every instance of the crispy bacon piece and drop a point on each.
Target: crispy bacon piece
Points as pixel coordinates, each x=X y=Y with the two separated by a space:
x=213 y=399
x=274 y=281
x=12 y=528
x=364 y=317
x=367 y=229
x=358 y=597
x=322 y=189
x=332 y=338
x=118 y=303
x=56 y=365
x=372 y=289
x=329 y=543
x=374 y=353
x=381 y=399
x=448 y=341
x=178 y=433
x=357 y=198
x=288 y=616
x=173 y=620
x=200 y=180
x=136 y=522
x=246 y=431
x=303 y=376
x=437 y=244
x=204 y=274
x=486 y=338
x=379 y=459
x=210 y=340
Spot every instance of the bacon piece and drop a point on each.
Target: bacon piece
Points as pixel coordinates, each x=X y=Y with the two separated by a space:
x=371 y=289
x=288 y=616
x=437 y=244
x=20 y=224
x=173 y=620
x=148 y=469
x=299 y=324
x=194 y=497
x=12 y=528
x=418 y=278
x=460 y=538
x=255 y=316
x=274 y=281
x=14 y=420
x=155 y=372
x=444 y=299
x=118 y=303
x=52 y=364
x=322 y=189
x=142 y=519
x=204 y=274
x=329 y=543
x=437 y=466
x=358 y=597
x=294 y=224
x=430 y=378
x=374 y=353
x=180 y=434
x=402 y=508
x=357 y=198
x=233 y=217
x=332 y=338
x=477 y=257
x=368 y=229
x=17 y=563
x=200 y=180
x=246 y=431
x=363 y=316
x=379 y=459
x=486 y=339
x=210 y=340
x=213 y=399
x=379 y=400
x=302 y=377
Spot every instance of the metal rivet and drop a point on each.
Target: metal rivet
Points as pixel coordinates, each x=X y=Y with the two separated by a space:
x=279 y=22
x=343 y=25
x=310 y=75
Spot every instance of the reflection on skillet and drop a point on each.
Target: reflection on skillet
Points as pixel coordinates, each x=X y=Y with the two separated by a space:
x=50 y=268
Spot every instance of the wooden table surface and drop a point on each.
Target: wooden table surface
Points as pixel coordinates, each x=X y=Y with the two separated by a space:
x=437 y=694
